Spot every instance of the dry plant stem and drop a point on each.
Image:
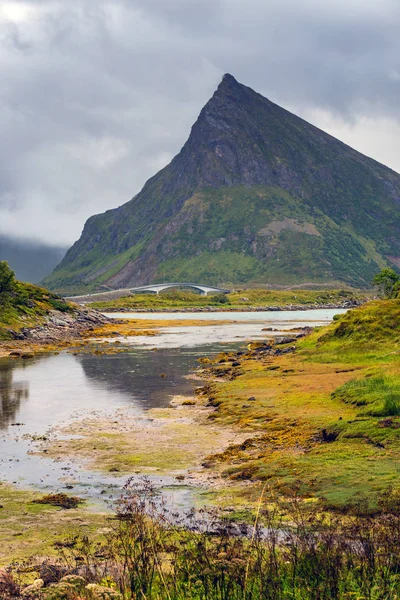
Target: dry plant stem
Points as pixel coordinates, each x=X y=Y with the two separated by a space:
x=253 y=534
x=158 y=564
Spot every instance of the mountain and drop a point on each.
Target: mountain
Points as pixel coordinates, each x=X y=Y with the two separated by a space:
x=31 y=261
x=256 y=195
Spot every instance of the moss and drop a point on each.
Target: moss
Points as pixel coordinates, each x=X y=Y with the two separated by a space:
x=30 y=529
x=173 y=440
x=59 y=499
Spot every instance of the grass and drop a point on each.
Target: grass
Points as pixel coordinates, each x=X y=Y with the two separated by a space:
x=380 y=395
x=324 y=422
x=29 y=528
x=240 y=299
x=27 y=306
x=289 y=551
x=170 y=440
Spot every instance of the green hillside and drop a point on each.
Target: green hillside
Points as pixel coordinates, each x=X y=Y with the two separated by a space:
x=24 y=304
x=256 y=196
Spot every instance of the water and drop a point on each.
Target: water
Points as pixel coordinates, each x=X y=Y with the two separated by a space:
x=243 y=326
x=318 y=316
x=42 y=393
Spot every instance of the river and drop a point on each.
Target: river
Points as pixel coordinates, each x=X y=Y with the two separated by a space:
x=39 y=394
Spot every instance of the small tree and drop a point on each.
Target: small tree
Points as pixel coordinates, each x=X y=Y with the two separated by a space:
x=388 y=282
x=7 y=281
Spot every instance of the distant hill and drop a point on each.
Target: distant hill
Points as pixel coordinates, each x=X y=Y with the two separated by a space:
x=31 y=262
x=256 y=196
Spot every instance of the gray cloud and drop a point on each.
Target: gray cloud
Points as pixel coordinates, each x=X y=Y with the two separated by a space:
x=97 y=95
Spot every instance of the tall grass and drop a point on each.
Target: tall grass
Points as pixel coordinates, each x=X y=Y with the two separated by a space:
x=289 y=553
x=379 y=393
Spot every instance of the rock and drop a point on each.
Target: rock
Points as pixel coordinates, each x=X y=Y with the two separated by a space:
x=287 y=350
x=285 y=339
x=389 y=422
x=8 y=587
x=261 y=346
x=51 y=573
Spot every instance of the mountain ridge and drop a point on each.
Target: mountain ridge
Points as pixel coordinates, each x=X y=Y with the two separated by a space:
x=246 y=155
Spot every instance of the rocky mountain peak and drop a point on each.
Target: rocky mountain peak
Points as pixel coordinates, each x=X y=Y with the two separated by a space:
x=256 y=195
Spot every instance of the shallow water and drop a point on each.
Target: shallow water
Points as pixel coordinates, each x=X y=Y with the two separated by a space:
x=320 y=315
x=242 y=326
x=42 y=393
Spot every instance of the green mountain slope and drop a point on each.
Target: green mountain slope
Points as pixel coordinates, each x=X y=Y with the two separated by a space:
x=256 y=195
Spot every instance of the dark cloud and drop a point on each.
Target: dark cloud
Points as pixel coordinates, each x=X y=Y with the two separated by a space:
x=97 y=95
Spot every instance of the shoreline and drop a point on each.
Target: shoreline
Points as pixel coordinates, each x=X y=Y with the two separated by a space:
x=233 y=309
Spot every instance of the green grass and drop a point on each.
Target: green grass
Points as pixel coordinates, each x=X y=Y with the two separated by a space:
x=236 y=299
x=27 y=306
x=380 y=395
x=30 y=529
x=325 y=423
x=284 y=241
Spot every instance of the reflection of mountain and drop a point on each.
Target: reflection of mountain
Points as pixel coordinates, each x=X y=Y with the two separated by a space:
x=139 y=374
x=11 y=394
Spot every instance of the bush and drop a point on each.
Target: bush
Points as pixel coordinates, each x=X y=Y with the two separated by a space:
x=221 y=299
x=388 y=283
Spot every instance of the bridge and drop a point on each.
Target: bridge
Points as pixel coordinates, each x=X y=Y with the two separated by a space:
x=156 y=288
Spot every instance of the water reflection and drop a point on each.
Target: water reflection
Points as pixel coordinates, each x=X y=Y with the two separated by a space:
x=11 y=394
x=147 y=378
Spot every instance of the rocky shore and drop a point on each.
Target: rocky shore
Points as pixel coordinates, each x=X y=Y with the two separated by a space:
x=63 y=326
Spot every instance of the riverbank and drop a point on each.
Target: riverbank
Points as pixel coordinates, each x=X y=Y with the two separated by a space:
x=29 y=529
x=236 y=301
x=322 y=413
x=238 y=309
x=316 y=418
x=170 y=441
x=93 y=338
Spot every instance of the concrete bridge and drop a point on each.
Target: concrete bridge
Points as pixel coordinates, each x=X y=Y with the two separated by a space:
x=155 y=288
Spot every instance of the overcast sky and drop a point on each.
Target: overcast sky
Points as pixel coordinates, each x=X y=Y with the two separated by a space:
x=98 y=95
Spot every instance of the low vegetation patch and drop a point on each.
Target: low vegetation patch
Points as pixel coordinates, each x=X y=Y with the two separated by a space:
x=24 y=304
x=29 y=528
x=60 y=499
x=379 y=394
x=322 y=418
x=241 y=299
x=289 y=551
